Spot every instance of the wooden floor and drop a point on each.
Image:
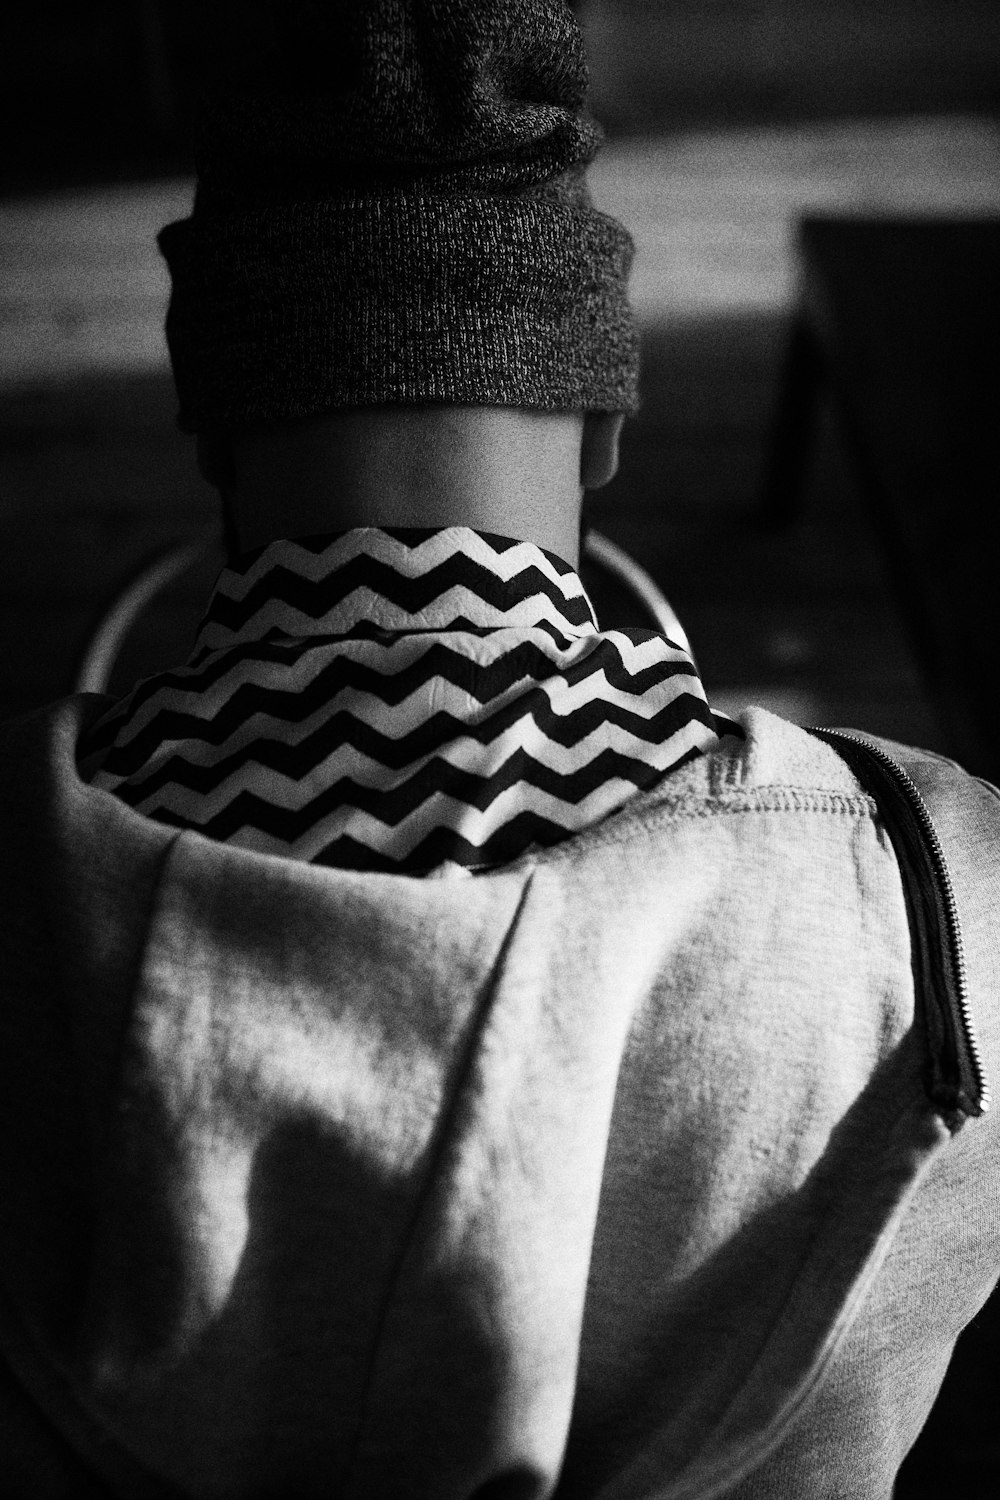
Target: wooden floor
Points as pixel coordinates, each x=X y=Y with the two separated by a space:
x=93 y=474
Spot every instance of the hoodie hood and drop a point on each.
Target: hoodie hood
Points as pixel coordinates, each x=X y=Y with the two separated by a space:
x=323 y=1182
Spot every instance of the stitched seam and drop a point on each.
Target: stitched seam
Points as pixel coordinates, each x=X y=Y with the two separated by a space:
x=630 y=823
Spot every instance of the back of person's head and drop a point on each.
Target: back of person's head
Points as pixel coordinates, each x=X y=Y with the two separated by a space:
x=392 y=211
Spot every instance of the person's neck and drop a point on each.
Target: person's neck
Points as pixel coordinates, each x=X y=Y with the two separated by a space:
x=500 y=470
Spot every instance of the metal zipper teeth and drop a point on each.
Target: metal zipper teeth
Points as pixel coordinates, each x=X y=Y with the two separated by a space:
x=957 y=948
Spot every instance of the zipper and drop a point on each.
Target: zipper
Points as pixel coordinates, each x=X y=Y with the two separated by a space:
x=956 y=1080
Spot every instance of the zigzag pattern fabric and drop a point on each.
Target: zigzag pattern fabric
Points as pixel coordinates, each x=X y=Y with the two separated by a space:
x=418 y=701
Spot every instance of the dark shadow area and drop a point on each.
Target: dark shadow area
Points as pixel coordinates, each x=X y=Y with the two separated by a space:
x=37 y=1459
x=681 y=64
x=957 y=1453
x=897 y=323
x=104 y=92
x=93 y=476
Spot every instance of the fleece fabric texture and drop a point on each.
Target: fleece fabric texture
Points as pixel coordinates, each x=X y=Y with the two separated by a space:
x=392 y=209
x=609 y=1173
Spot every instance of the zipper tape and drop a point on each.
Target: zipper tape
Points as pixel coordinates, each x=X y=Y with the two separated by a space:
x=956 y=1081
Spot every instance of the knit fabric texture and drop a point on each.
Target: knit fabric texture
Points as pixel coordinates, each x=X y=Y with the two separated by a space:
x=392 y=209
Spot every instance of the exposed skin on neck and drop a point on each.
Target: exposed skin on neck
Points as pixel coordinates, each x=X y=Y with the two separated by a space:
x=502 y=469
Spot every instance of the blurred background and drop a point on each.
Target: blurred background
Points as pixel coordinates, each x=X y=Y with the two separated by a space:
x=728 y=120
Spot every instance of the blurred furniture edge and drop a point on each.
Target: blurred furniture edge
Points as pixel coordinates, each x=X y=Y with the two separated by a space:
x=898 y=320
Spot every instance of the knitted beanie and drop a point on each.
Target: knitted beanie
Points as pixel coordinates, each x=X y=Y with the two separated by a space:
x=394 y=211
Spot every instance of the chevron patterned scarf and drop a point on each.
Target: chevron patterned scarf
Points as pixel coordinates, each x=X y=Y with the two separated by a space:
x=419 y=701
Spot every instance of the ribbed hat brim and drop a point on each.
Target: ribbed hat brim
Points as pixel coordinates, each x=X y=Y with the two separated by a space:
x=394 y=299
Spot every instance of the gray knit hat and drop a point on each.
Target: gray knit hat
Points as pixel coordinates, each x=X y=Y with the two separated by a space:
x=397 y=213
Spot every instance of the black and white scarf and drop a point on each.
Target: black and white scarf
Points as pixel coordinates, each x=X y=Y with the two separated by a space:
x=419 y=701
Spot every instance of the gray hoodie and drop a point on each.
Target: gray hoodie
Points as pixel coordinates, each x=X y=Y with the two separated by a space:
x=649 y=1165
